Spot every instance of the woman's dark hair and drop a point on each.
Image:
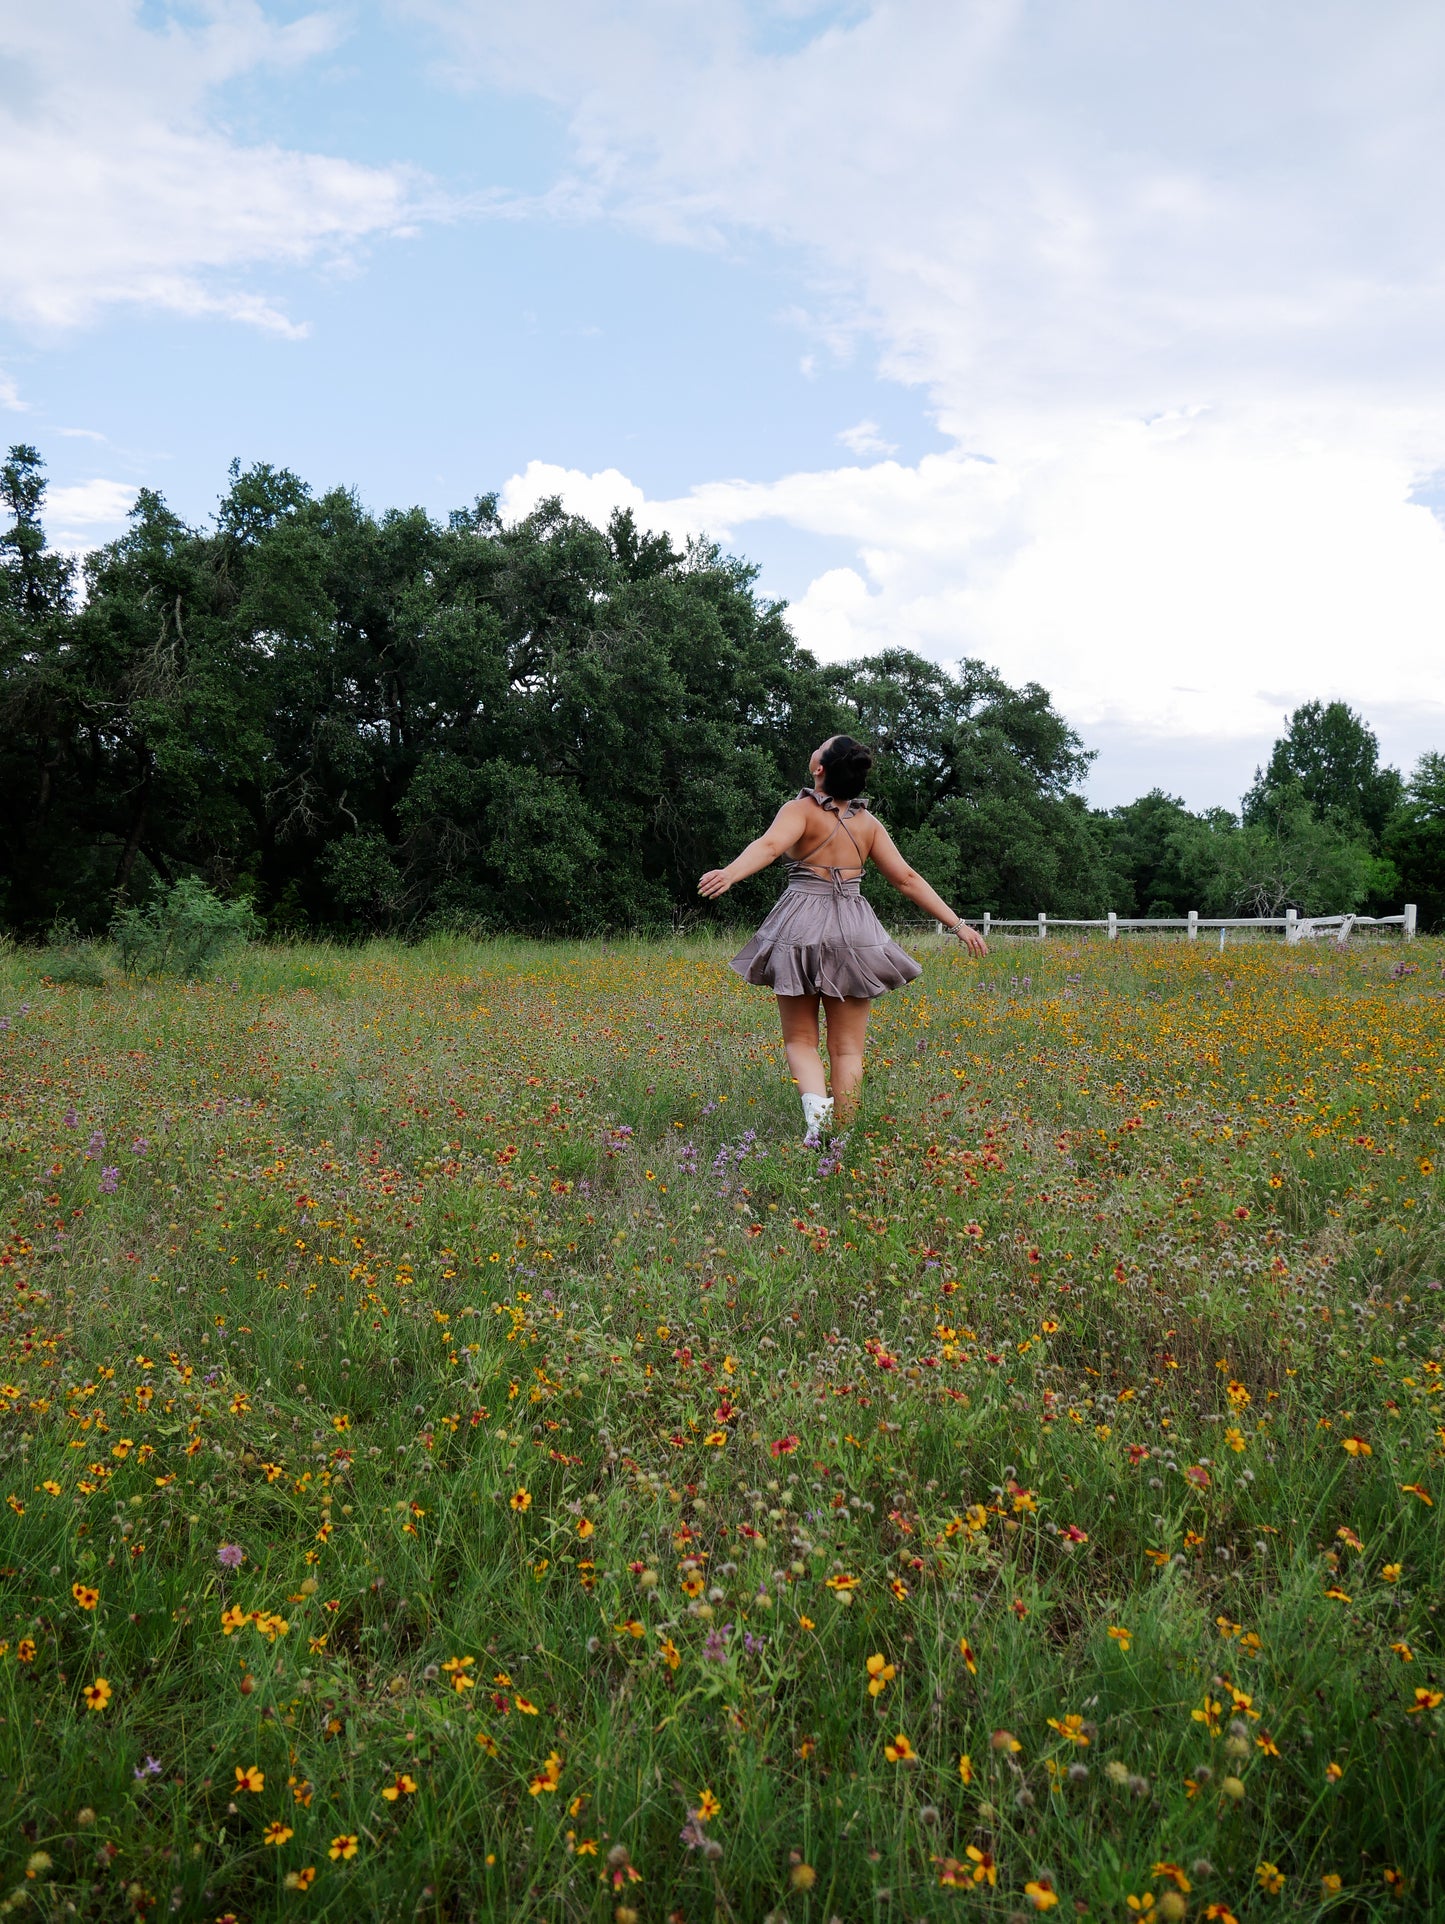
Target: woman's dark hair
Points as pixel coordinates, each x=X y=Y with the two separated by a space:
x=845 y=768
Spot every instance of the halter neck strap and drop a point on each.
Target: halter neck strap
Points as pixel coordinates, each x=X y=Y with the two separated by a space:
x=858 y=804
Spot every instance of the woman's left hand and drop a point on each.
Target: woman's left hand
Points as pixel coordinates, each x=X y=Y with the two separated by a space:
x=714 y=883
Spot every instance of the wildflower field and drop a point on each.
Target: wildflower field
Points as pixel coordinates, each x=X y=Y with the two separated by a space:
x=465 y=1458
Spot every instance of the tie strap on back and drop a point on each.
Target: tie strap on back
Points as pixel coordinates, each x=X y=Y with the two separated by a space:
x=809 y=865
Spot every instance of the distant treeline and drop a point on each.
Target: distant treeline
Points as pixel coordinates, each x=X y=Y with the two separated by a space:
x=371 y=722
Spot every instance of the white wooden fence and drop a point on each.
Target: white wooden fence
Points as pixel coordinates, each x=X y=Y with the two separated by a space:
x=1296 y=927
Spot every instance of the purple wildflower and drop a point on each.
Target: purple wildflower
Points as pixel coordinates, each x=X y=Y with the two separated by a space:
x=715 y=1646
x=139 y=1146
x=232 y=1555
x=152 y=1767
x=95 y=1145
x=109 y=1180
x=71 y=1118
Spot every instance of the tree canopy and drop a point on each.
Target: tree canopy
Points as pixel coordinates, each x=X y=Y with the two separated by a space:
x=364 y=721
x=1330 y=757
x=368 y=721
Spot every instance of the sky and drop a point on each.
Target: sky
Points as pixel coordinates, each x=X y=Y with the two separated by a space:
x=1099 y=339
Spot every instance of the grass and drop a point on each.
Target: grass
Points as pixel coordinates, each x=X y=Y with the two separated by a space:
x=472 y=1438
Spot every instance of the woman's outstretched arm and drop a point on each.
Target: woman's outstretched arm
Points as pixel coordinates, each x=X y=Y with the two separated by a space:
x=776 y=840
x=909 y=882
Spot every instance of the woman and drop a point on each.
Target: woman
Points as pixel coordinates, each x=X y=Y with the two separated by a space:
x=822 y=942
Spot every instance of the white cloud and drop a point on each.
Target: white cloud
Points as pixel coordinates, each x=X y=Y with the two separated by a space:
x=863 y=439
x=122 y=188
x=1022 y=201
x=592 y=495
x=89 y=504
x=1168 y=277
x=81 y=515
x=10 y=395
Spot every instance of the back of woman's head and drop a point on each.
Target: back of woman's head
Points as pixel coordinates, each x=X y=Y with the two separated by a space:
x=845 y=767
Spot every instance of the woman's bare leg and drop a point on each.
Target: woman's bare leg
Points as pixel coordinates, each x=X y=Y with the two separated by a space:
x=799 y=1016
x=847 y=1032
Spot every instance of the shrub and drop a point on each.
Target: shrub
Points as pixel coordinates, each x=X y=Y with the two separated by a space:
x=70 y=959
x=181 y=932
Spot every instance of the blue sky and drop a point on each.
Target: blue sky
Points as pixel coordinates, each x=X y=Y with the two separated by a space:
x=1100 y=340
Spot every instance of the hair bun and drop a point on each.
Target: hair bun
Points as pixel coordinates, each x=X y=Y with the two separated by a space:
x=846 y=766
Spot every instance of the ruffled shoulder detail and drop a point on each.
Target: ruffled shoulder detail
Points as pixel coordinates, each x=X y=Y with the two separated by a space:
x=830 y=803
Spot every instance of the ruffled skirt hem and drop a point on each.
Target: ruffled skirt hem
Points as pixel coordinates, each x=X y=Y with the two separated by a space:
x=822 y=969
x=814 y=942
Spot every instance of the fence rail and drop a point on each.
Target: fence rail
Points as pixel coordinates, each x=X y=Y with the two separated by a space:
x=1296 y=927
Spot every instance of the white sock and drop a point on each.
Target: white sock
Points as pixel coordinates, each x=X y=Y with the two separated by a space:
x=817 y=1113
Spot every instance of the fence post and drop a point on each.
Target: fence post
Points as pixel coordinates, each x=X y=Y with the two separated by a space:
x=1291 y=925
x=1194 y=925
x=1113 y=925
x=1410 y=913
x=1043 y=925
x=987 y=918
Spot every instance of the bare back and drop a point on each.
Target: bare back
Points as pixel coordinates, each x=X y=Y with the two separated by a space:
x=842 y=832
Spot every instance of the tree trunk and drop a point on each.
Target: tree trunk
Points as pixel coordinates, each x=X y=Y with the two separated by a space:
x=137 y=829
